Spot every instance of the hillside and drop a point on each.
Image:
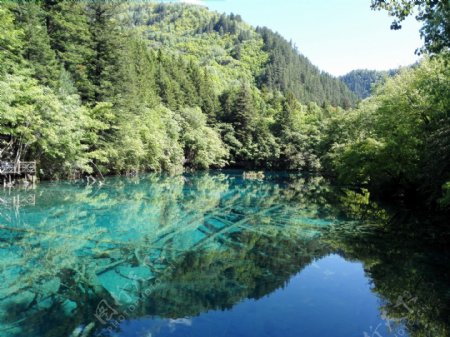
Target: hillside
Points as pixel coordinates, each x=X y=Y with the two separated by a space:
x=362 y=81
x=233 y=51
x=96 y=88
x=117 y=88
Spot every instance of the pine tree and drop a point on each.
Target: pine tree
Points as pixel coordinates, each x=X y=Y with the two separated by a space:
x=139 y=73
x=68 y=29
x=107 y=45
x=31 y=19
x=10 y=41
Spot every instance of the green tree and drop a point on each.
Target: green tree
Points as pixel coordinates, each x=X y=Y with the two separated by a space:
x=107 y=45
x=31 y=19
x=240 y=111
x=11 y=43
x=203 y=146
x=68 y=26
x=398 y=139
x=139 y=71
x=435 y=15
x=298 y=137
x=150 y=141
x=42 y=125
x=251 y=141
x=100 y=131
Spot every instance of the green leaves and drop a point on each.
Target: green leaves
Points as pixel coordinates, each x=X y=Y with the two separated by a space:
x=434 y=14
x=41 y=125
x=10 y=41
x=137 y=87
x=445 y=200
x=202 y=144
x=398 y=139
x=290 y=72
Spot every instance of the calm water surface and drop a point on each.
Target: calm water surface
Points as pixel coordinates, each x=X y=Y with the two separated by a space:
x=213 y=254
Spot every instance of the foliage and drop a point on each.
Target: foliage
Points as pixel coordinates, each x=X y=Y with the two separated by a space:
x=298 y=131
x=202 y=144
x=445 y=200
x=362 y=81
x=149 y=141
x=42 y=124
x=289 y=71
x=118 y=87
x=249 y=136
x=398 y=139
x=435 y=15
x=10 y=41
x=68 y=27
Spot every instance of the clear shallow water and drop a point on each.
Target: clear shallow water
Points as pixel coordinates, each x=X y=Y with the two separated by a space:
x=212 y=254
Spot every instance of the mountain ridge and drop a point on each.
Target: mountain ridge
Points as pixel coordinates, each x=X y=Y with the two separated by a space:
x=275 y=63
x=362 y=81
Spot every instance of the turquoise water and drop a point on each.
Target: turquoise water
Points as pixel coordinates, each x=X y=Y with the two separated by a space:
x=214 y=254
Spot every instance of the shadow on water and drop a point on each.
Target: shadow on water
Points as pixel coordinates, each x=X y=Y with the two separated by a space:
x=80 y=260
x=406 y=254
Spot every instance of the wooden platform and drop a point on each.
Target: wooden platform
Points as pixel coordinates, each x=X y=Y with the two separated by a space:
x=17 y=168
x=9 y=171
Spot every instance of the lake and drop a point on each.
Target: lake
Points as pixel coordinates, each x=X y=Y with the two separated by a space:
x=214 y=254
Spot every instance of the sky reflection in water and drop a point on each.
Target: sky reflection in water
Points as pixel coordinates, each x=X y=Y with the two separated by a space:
x=330 y=297
x=212 y=254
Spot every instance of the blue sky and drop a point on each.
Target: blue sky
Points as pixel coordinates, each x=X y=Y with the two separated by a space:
x=336 y=35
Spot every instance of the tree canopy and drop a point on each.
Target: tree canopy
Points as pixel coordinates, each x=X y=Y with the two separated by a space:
x=435 y=15
x=118 y=87
x=363 y=81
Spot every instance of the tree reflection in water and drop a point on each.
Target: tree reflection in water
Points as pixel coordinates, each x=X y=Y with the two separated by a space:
x=406 y=255
x=179 y=246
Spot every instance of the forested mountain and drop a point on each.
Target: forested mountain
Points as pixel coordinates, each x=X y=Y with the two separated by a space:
x=362 y=81
x=121 y=87
x=289 y=71
x=233 y=50
x=113 y=87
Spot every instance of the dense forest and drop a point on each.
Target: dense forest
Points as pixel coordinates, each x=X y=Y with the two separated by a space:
x=363 y=81
x=113 y=87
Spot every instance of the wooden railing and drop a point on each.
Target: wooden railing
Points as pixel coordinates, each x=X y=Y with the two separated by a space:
x=18 y=201
x=21 y=167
